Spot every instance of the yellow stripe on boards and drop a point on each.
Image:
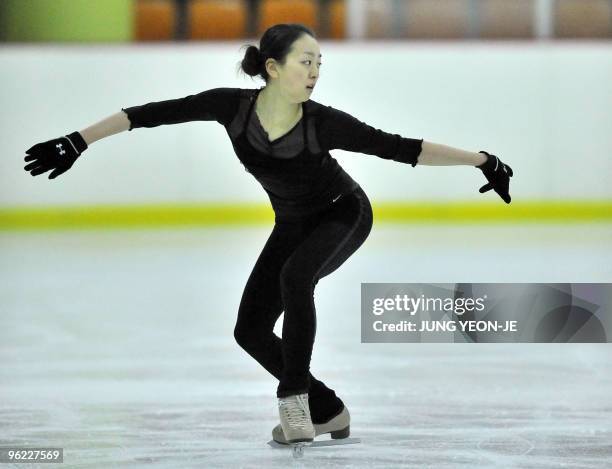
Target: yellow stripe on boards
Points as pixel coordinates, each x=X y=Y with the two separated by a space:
x=480 y=212
x=165 y=215
x=121 y=216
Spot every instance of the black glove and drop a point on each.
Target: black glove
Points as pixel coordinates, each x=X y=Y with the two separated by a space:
x=58 y=154
x=498 y=174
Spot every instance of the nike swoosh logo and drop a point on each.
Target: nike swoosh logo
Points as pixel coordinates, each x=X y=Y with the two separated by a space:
x=337 y=198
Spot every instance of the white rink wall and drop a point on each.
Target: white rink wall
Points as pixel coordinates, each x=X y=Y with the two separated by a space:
x=544 y=108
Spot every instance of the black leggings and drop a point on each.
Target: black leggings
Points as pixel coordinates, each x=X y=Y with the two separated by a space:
x=296 y=255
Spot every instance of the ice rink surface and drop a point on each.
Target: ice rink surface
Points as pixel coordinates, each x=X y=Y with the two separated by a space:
x=118 y=347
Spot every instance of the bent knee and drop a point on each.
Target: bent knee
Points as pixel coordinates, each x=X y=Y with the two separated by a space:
x=293 y=277
x=242 y=336
x=246 y=337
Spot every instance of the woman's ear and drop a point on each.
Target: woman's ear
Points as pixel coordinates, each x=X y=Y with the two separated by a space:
x=271 y=68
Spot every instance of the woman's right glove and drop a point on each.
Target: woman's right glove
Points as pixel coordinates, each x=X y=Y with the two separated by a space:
x=498 y=174
x=58 y=154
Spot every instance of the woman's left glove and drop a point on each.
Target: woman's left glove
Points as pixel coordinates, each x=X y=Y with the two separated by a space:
x=498 y=174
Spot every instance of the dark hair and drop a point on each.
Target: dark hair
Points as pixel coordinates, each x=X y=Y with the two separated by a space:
x=274 y=44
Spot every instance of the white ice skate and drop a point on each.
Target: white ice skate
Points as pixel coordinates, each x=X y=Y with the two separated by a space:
x=296 y=422
x=338 y=427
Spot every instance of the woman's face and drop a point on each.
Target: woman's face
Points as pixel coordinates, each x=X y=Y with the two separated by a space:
x=301 y=69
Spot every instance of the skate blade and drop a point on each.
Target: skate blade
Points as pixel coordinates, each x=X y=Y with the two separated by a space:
x=318 y=443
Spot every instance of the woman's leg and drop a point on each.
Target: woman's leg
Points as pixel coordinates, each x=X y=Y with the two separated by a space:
x=260 y=307
x=332 y=237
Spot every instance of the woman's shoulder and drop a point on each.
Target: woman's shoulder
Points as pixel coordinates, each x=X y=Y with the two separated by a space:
x=229 y=92
x=318 y=110
x=244 y=93
x=225 y=91
x=322 y=110
x=227 y=96
x=325 y=113
x=315 y=107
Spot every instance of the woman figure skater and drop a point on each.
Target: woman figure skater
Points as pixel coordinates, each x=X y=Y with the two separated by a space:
x=322 y=215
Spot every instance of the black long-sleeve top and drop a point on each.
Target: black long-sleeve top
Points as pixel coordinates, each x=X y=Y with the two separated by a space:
x=296 y=169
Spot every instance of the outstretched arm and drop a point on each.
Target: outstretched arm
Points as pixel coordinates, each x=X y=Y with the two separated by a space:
x=108 y=126
x=343 y=131
x=498 y=174
x=338 y=129
x=59 y=154
x=214 y=104
x=435 y=154
x=217 y=104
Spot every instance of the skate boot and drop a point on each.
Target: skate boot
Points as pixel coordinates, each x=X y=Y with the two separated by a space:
x=338 y=426
x=296 y=424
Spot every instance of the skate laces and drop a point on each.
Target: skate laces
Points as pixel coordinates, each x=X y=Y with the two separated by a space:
x=294 y=409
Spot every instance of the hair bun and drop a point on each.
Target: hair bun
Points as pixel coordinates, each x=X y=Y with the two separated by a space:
x=276 y=42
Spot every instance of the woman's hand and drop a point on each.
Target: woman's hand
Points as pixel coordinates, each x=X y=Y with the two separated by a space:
x=58 y=154
x=498 y=174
